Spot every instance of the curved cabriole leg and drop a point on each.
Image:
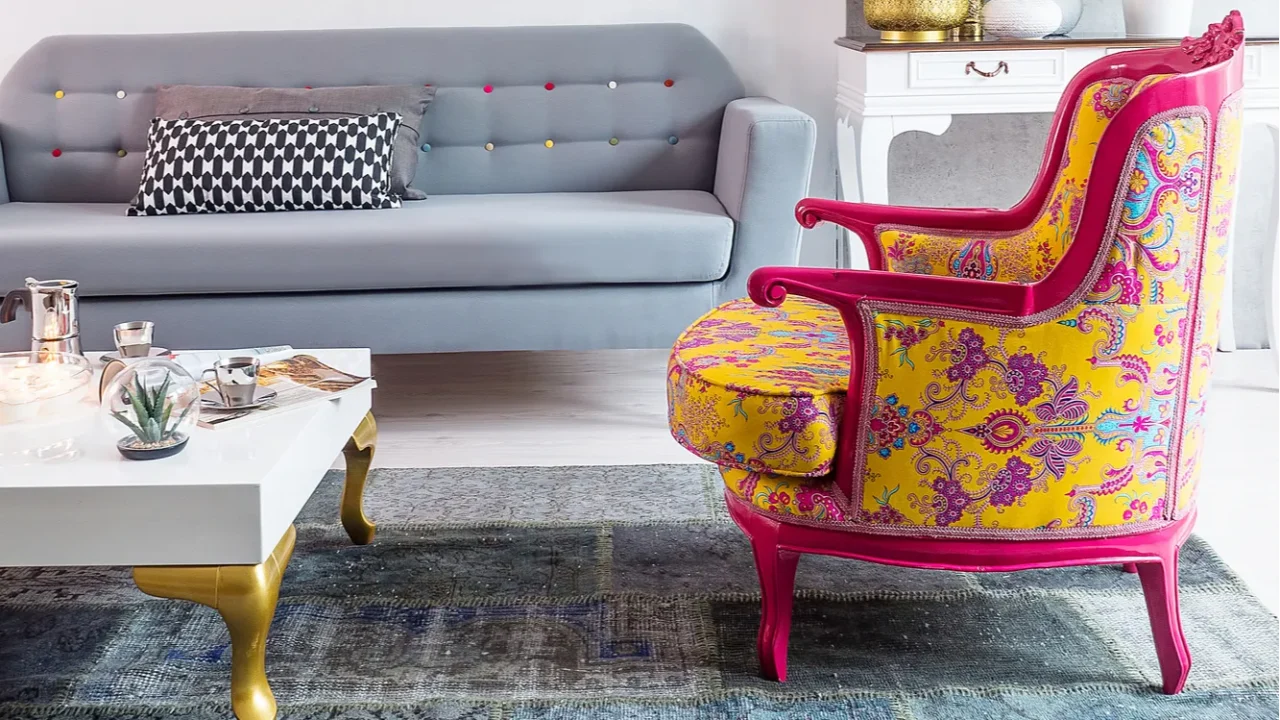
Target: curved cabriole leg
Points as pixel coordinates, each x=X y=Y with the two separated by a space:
x=777 y=570
x=245 y=596
x=1160 y=587
x=1130 y=567
x=359 y=455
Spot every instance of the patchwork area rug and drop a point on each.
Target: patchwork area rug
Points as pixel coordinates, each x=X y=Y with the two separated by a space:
x=621 y=592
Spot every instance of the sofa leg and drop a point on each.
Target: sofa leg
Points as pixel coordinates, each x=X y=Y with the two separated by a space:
x=777 y=570
x=1130 y=567
x=1160 y=587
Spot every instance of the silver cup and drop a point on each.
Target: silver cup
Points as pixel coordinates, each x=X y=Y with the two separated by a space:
x=235 y=379
x=133 y=339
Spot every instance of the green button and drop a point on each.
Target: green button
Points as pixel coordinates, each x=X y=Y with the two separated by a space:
x=613 y=141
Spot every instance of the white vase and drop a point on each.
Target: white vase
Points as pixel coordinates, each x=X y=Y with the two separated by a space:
x=1023 y=19
x=1071 y=11
x=1157 y=18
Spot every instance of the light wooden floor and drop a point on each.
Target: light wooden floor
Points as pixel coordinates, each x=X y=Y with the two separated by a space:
x=609 y=408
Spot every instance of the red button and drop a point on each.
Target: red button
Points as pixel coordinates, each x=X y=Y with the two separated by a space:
x=306 y=87
x=57 y=152
x=488 y=88
x=669 y=82
x=550 y=86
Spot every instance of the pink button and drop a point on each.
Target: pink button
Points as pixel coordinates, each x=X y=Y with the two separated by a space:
x=57 y=152
x=488 y=88
x=550 y=86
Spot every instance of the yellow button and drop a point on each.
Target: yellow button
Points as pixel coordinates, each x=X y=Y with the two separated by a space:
x=488 y=146
x=549 y=143
x=59 y=94
x=122 y=153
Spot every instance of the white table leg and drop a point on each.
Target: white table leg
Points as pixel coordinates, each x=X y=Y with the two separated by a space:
x=862 y=153
x=1271 y=118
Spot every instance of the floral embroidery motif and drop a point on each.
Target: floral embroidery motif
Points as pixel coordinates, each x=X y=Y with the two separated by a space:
x=1066 y=424
x=894 y=426
x=1028 y=255
x=784 y=495
x=761 y=389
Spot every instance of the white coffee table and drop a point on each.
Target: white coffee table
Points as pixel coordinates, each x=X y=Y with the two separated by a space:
x=213 y=524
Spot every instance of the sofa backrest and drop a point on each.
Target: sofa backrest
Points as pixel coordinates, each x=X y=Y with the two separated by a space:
x=665 y=111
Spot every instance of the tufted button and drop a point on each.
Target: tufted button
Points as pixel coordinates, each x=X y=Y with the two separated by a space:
x=313 y=108
x=550 y=86
x=244 y=109
x=426 y=147
x=668 y=82
x=182 y=115
x=613 y=141
x=306 y=87
x=488 y=146
x=57 y=152
x=550 y=143
x=121 y=94
x=58 y=94
x=488 y=88
x=673 y=139
x=613 y=85
x=121 y=152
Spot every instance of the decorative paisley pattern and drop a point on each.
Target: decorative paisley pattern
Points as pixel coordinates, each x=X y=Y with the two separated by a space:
x=810 y=498
x=1069 y=424
x=1028 y=255
x=1226 y=164
x=761 y=389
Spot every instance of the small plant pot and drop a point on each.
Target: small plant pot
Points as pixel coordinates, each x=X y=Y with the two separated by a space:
x=134 y=449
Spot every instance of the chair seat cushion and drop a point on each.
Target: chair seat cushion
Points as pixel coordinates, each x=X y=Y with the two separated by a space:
x=761 y=389
x=446 y=241
x=796 y=497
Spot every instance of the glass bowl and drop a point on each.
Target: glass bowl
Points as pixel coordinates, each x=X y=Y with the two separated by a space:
x=38 y=386
x=151 y=407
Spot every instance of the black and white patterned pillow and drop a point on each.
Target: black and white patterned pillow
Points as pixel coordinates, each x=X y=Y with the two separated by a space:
x=212 y=166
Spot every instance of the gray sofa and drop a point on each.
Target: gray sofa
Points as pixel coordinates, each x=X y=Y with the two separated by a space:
x=586 y=244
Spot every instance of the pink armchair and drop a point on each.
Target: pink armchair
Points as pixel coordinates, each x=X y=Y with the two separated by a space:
x=1003 y=390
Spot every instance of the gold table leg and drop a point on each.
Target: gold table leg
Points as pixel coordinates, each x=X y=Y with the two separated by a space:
x=245 y=596
x=359 y=454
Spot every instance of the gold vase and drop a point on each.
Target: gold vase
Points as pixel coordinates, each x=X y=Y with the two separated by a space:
x=915 y=20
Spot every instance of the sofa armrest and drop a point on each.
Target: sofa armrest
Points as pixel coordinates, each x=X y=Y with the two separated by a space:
x=766 y=158
x=4 y=183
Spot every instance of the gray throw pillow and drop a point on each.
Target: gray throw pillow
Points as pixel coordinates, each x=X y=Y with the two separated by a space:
x=221 y=102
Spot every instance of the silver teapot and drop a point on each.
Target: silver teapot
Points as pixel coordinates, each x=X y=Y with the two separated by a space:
x=55 y=324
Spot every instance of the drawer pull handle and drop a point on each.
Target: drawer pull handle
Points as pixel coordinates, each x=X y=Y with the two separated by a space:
x=972 y=67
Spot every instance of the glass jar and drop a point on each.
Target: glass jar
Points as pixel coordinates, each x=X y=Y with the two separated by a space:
x=151 y=407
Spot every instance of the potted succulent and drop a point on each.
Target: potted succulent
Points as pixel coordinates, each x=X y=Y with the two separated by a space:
x=158 y=402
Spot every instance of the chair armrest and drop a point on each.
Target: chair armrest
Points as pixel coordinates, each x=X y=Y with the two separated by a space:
x=843 y=289
x=763 y=169
x=4 y=184
x=864 y=219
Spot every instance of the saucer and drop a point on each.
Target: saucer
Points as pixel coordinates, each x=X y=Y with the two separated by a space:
x=211 y=400
x=114 y=355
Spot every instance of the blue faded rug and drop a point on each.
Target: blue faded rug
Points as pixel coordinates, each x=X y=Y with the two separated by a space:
x=550 y=593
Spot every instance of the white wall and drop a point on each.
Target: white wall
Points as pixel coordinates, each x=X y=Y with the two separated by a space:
x=781 y=48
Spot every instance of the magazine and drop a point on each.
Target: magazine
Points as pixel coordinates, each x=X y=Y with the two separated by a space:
x=296 y=379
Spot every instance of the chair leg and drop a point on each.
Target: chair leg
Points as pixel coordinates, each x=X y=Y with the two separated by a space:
x=1160 y=587
x=777 y=570
x=1130 y=567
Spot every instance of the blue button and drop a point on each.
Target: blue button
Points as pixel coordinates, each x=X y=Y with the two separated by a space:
x=673 y=139
x=426 y=147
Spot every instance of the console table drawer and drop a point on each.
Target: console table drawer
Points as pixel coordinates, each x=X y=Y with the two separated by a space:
x=1023 y=68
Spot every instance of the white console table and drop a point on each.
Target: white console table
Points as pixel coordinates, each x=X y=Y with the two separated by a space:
x=885 y=89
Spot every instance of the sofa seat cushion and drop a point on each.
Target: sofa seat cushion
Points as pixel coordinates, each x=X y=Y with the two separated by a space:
x=761 y=389
x=446 y=241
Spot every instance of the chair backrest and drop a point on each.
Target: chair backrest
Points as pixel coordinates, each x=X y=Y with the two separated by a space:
x=607 y=82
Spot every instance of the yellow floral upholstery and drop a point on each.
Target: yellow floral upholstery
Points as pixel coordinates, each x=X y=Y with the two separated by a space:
x=808 y=498
x=760 y=388
x=1084 y=423
x=1222 y=193
x=1028 y=255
